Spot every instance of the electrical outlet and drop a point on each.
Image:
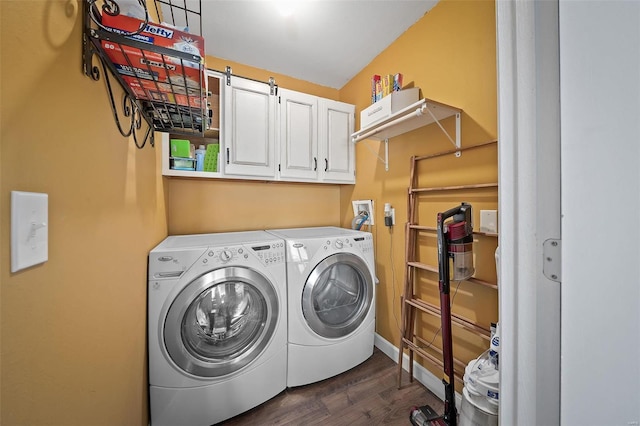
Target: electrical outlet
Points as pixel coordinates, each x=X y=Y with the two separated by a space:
x=392 y=214
x=364 y=205
x=389 y=215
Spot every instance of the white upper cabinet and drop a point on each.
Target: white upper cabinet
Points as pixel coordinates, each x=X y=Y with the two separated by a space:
x=315 y=138
x=249 y=129
x=257 y=134
x=298 y=136
x=336 y=151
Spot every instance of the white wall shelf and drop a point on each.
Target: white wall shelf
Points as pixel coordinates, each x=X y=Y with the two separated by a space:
x=414 y=116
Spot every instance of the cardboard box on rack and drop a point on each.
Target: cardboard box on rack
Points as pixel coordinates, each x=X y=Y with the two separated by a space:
x=156 y=34
x=146 y=89
x=156 y=77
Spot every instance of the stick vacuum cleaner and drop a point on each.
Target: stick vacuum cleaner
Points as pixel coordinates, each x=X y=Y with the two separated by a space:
x=455 y=242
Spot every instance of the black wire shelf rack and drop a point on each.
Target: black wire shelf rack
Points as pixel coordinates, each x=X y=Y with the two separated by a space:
x=154 y=55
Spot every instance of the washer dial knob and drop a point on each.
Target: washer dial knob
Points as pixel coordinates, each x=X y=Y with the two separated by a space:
x=339 y=244
x=226 y=255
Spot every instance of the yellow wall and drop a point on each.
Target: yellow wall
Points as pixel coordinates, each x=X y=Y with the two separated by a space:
x=3 y=251
x=450 y=54
x=73 y=328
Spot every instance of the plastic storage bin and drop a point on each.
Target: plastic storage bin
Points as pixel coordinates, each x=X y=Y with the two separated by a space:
x=211 y=158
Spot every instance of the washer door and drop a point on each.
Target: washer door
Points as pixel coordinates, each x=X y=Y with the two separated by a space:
x=221 y=321
x=337 y=295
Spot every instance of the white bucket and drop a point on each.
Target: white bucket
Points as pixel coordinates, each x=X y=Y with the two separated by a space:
x=480 y=395
x=482 y=382
x=472 y=415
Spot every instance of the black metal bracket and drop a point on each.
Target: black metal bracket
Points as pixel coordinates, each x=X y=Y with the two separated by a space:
x=227 y=73
x=273 y=87
x=160 y=106
x=130 y=109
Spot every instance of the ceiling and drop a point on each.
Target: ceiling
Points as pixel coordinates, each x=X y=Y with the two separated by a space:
x=326 y=42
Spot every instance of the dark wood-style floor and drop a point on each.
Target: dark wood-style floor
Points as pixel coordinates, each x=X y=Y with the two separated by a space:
x=364 y=395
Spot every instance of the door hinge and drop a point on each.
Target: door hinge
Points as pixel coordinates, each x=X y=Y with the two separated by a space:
x=552 y=259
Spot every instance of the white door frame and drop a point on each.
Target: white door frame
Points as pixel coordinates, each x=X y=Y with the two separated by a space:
x=529 y=208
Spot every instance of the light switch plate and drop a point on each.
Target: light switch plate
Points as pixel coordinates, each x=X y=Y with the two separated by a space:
x=29 y=229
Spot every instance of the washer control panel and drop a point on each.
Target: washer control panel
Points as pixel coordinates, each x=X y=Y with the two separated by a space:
x=270 y=254
x=267 y=253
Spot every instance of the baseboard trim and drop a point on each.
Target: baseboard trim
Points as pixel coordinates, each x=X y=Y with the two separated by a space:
x=421 y=374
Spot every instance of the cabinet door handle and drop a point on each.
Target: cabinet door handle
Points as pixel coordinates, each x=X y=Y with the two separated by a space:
x=315 y=164
x=227 y=155
x=326 y=164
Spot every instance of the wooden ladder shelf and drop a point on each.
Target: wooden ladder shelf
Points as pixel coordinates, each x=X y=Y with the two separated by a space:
x=411 y=304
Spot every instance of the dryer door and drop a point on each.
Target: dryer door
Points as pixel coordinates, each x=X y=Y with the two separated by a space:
x=221 y=321
x=337 y=295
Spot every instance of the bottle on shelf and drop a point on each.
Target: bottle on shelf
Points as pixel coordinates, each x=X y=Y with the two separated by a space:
x=200 y=152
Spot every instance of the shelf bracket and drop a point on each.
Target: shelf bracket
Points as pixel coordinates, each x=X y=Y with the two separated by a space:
x=455 y=143
x=384 y=160
x=386 y=155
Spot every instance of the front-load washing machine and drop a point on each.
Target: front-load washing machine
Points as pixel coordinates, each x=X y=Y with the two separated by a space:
x=217 y=326
x=331 y=294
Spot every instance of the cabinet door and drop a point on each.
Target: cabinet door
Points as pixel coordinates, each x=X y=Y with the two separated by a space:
x=298 y=138
x=336 y=151
x=249 y=128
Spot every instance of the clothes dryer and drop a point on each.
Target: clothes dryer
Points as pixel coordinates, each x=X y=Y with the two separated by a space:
x=331 y=301
x=217 y=326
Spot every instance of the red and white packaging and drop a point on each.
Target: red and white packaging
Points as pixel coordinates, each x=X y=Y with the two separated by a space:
x=145 y=71
x=156 y=34
x=155 y=76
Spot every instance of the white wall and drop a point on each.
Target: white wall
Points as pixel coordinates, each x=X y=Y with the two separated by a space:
x=600 y=161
